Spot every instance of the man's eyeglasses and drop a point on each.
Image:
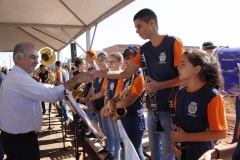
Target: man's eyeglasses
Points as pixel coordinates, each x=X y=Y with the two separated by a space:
x=111 y=62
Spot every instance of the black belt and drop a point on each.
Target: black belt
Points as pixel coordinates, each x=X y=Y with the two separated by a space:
x=20 y=134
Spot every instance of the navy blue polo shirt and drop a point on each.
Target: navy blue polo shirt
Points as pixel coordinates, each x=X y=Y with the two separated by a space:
x=89 y=85
x=135 y=109
x=99 y=103
x=111 y=87
x=236 y=154
x=160 y=62
x=78 y=84
x=199 y=111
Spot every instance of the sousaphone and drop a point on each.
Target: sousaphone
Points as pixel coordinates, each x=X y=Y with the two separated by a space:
x=47 y=55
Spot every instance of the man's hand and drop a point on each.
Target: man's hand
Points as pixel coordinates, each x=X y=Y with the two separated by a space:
x=153 y=86
x=83 y=78
x=93 y=73
x=208 y=155
x=178 y=136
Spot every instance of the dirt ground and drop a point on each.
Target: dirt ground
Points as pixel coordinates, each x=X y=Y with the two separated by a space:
x=231 y=118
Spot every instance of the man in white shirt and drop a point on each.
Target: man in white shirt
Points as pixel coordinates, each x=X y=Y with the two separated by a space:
x=20 y=108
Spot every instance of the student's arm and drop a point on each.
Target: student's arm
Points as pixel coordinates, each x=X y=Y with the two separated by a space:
x=217 y=122
x=101 y=92
x=154 y=86
x=224 y=153
x=182 y=136
x=127 y=73
x=85 y=99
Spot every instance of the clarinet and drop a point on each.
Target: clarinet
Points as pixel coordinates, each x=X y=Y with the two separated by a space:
x=152 y=96
x=174 y=122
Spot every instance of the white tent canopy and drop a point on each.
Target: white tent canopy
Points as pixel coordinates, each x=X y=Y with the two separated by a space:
x=52 y=23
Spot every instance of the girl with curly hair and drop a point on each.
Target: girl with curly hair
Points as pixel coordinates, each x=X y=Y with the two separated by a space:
x=199 y=106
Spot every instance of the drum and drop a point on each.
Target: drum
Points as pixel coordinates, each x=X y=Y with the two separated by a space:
x=229 y=59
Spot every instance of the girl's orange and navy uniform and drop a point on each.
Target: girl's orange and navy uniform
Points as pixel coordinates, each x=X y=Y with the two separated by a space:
x=198 y=111
x=100 y=82
x=236 y=154
x=133 y=122
x=135 y=109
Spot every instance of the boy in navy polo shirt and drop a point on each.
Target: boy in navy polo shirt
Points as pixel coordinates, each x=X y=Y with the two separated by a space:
x=162 y=54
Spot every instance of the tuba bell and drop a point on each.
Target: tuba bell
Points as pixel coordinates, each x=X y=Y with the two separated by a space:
x=47 y=55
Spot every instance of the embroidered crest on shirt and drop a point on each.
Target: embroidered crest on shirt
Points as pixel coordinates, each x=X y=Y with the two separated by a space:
x=162 y=58
x=192 y=109
x=100 y=80
x=111 y=86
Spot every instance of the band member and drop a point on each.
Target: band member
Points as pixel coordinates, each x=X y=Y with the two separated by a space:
x=43 y=75
x=80 y=64
x=62 y=77
x=208 y=47
x=90 y=58
x=133 y=122
x=162 y=54
x=97 y=103
x=115 y=63
x=20 y=110
x=200 y=108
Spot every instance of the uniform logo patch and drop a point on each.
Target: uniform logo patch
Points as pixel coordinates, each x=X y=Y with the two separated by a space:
x=162 y=58
x=192 y=109
x=100 y=80
x=111 y=86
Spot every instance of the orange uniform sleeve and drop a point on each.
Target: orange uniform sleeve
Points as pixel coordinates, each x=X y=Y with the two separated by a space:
x=59 y=73
x=119 y=86
x=178 y=52
x=137 y=59
x=216 y=114
x=138 y=86
x=104 y=84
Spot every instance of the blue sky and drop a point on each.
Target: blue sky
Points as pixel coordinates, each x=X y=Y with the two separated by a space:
x=194 y=21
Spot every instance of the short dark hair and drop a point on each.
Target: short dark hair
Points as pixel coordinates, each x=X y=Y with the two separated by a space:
x=72 y=68
x=78 y=61
x=146 y=15
x=42 y=65
x=58 y=63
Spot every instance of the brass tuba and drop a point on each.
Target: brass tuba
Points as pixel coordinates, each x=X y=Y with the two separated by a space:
x=47 y=55
x=122 y=112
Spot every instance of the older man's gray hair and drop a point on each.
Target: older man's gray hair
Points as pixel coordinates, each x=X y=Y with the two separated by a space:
x=20 y=49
